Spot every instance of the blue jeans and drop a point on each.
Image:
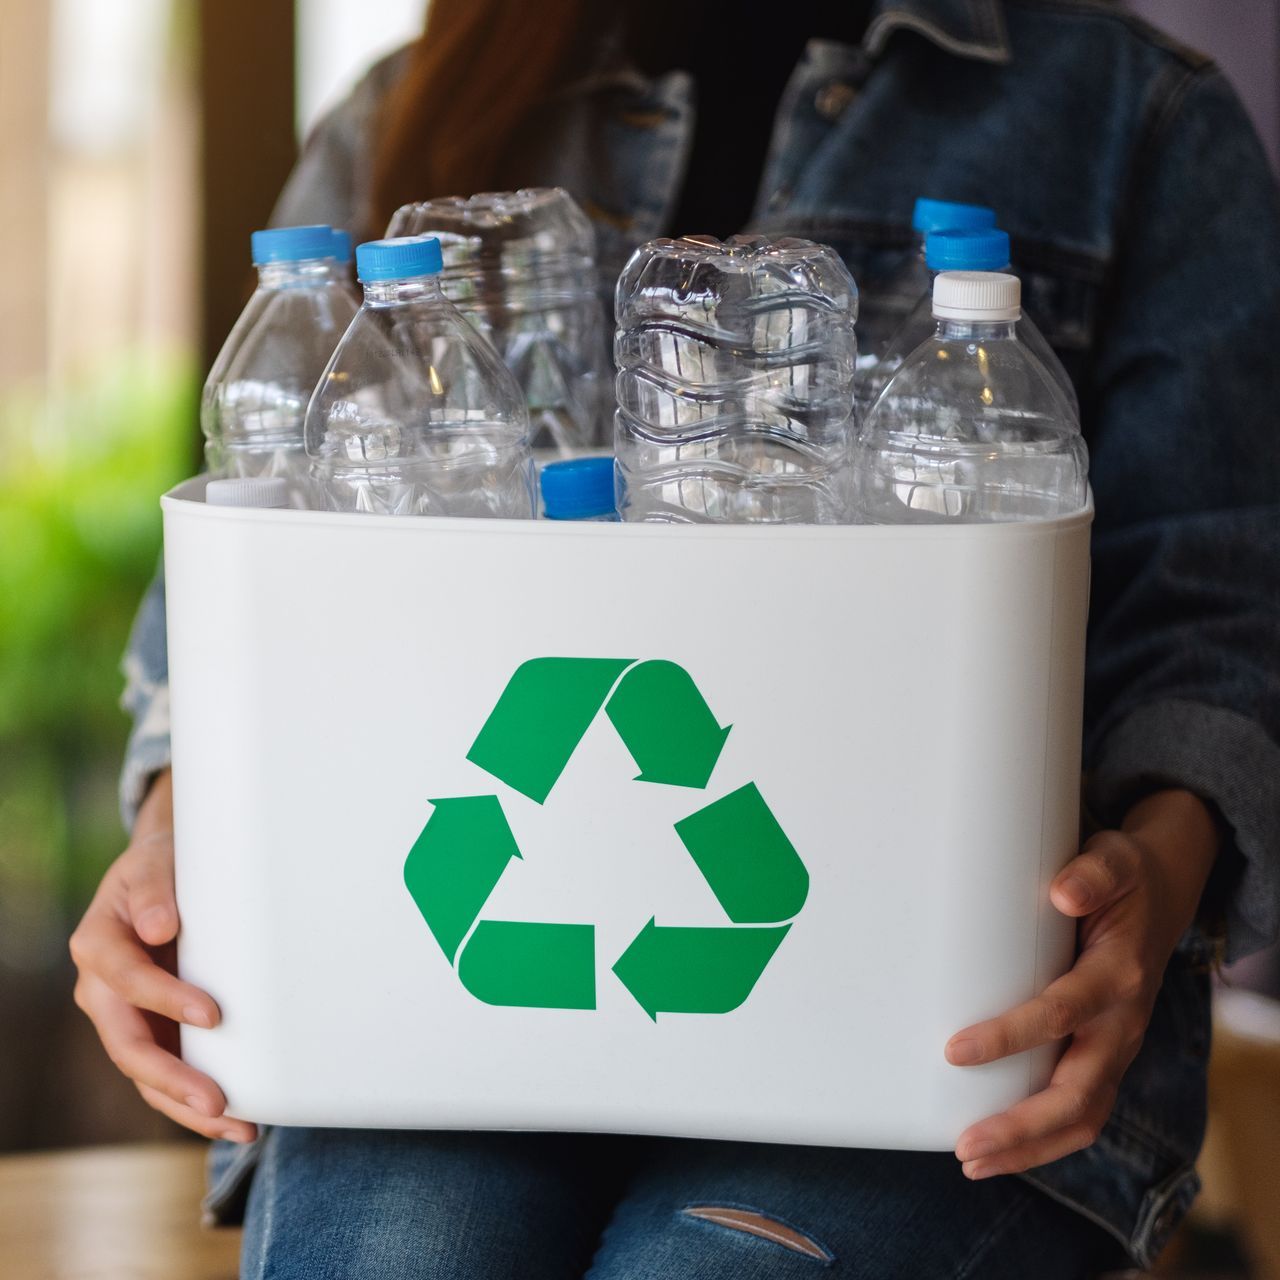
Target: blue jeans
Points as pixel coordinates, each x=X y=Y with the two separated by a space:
x=482 y=1206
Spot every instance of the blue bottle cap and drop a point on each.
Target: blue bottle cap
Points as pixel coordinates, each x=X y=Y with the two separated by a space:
x=291 y=244
x=341 y=245
x=400 y=259
x=578 y=489
x=967 y=250
x=943 y=215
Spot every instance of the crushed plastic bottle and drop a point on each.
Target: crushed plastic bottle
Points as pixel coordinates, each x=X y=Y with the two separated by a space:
x=520 y=265
x=735 y=382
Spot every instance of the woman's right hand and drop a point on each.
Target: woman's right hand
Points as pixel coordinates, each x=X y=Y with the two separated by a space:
x=124 y=950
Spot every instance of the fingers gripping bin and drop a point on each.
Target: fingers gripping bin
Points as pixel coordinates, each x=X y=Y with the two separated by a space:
x=706 y=831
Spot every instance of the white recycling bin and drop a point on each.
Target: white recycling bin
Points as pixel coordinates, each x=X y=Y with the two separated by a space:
x=713 y=831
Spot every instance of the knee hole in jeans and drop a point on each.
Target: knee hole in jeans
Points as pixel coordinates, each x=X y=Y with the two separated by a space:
x=754 y=1222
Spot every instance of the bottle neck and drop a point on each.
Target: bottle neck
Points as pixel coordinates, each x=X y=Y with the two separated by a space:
x=974 y=330
x=394 y=292
x=311 y=273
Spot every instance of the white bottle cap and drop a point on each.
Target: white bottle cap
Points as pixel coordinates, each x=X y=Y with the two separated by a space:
x=255 y=491
x=977 y=296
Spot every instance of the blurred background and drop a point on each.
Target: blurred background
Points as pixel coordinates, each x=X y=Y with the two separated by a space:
x=142 y=141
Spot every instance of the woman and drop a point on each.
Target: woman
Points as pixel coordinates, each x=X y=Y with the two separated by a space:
x=1144 y=222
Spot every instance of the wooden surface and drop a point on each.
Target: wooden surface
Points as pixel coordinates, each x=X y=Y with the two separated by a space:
x=110 y=1213
x=247 y=147
x=1239 y=1165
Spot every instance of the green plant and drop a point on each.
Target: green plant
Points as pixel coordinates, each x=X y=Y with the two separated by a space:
x=80 y=479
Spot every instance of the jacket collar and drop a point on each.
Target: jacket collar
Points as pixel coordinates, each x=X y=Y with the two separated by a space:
x=968 y=28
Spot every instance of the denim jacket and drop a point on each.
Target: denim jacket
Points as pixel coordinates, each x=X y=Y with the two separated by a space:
x=1146 y=229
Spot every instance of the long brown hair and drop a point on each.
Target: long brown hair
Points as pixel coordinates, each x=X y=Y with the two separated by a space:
x=472 y=76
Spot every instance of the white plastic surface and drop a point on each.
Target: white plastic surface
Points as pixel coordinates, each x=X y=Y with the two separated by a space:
x=908 y=701
x=248 y=491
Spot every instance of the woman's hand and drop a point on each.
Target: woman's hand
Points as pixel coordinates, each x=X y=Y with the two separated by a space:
x=1136 y=891
x=124 y=950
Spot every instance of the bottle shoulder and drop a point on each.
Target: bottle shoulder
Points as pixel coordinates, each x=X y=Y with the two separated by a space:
x=973 y=387
x=418 y=365
x=283 y=334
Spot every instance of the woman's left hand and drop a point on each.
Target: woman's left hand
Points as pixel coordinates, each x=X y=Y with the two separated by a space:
x=1135 y=891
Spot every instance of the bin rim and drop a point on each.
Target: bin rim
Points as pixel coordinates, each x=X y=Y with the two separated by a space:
x=187 y=500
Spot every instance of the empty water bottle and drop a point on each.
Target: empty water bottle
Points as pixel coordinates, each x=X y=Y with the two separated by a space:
x=735 y=381
x=255 y=398
x=520 y=265
x=972 y=428
x=578 y=489
x=415 y=414
x=928 y=216
x=965 y=251
x=889 y=303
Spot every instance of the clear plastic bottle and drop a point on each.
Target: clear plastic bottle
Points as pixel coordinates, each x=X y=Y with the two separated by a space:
x=972 y=428
x=928 y=216
x=578 y=489
x=735 y=382
x=885 y=312
x=415 y=413
x=255 y=398
x=968 y=251
x=520 y=265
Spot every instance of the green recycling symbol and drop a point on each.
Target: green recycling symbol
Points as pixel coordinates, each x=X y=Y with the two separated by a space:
x=675 y=740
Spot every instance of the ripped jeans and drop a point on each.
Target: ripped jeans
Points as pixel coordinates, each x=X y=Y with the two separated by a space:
x=483 y=1206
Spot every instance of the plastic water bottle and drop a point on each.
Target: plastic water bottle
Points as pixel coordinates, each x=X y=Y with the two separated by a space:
x=929 y=216
x=968 y=251
x=735 y=382
x=579 y=489
x=884 y=315
x=255 y=398
x=972 y=428
x=415 y=413
x=520 y=265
